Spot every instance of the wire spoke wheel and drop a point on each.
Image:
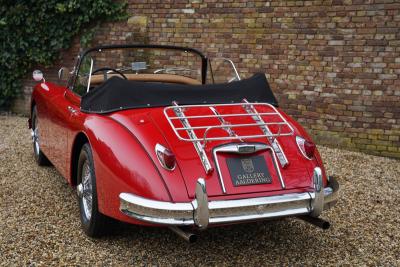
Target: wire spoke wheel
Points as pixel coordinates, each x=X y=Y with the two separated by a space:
x=40 y=157
x=35 y=136
x=93 y=222
x=87 y=190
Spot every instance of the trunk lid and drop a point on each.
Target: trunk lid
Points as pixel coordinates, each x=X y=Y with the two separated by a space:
x=158 y=129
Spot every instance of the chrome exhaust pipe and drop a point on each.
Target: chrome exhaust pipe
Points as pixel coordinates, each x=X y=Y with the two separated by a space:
x=325 y=225
x=189 y=237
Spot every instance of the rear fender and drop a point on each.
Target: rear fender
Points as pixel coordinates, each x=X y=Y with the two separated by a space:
x=121 y=165
x=300 y=131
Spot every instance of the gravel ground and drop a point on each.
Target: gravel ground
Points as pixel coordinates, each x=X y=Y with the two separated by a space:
x=39 y=223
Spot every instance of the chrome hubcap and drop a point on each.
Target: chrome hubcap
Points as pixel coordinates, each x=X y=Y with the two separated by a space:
x=79 y=190
x=35 y=136
x=84 y=190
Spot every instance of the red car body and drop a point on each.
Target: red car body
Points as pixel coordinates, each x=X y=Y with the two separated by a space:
x=123 y=145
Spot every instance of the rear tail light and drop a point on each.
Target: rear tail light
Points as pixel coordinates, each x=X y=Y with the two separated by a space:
x=166 y=157
x=307 y=148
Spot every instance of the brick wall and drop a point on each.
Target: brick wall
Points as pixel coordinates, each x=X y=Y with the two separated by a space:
x=333 y=65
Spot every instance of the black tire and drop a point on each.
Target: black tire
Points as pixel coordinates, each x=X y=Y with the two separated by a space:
x=97 y=224
x=40 y=157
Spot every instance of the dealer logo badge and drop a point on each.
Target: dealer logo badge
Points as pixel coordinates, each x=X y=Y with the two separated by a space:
x=247 y=165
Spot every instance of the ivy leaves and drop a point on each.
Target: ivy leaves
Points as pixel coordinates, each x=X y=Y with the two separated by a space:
x=32 y=32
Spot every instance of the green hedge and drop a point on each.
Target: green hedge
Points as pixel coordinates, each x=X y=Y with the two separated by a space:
x=32 y=32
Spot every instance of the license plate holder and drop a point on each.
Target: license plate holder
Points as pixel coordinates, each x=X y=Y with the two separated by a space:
x=248 y=170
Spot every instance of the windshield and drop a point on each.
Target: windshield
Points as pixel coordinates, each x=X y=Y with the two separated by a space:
x=127 y=62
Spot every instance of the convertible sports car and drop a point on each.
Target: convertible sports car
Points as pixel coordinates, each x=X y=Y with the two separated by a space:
x=162 y=136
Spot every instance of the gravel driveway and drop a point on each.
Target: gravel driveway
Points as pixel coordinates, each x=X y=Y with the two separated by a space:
x=39 y=222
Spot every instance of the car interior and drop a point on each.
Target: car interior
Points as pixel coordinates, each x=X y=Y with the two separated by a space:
x=148 y=64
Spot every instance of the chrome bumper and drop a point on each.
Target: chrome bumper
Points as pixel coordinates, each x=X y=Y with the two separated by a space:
x=201 y=212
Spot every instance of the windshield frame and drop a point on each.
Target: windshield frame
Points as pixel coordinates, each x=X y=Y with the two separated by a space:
x=81 y=56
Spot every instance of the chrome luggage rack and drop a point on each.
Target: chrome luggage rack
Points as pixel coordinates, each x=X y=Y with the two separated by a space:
x=259 y=121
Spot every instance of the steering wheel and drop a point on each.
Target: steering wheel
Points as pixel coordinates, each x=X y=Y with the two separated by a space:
x=104 y=69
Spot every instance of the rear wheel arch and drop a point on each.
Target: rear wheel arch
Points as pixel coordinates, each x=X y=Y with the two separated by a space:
x=80 y=140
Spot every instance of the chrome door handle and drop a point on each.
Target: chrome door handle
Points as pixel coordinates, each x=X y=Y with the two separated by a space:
x=72 y=110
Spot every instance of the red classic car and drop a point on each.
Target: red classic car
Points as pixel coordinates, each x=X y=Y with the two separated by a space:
x=162 y=136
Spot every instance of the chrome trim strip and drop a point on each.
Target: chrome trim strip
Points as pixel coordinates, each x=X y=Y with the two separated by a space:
x=242 y=148
x=248 y=202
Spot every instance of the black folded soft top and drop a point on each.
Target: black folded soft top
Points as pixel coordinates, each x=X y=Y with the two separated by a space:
x=120 y=94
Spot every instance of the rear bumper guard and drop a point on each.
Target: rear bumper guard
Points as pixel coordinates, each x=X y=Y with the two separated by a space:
x=201 y=212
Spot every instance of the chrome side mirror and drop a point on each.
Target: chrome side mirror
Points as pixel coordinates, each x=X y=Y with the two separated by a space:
x=38 y=75
x=62 y=73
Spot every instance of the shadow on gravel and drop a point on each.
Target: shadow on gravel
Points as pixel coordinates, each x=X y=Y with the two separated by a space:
x=260 y=242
